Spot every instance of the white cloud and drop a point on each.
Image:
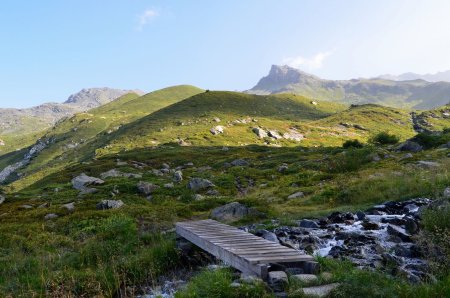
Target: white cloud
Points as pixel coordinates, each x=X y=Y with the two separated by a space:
x=145 y=18
x=311 y=63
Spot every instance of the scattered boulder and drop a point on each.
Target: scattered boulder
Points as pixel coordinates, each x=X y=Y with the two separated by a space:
x=216 y=119
x=261 y=133
x=409 y=146
x=146 y=188
x=320 y=291
x=308 y=224
x=82 y=181
x=267 y=235
x=169 y=185
x=25 y=207
x=306 y=278
x=239 y=163
x=277 y=280
x=447 y=193
x=196 y=184
x=296 y=195
x=407 y=156
x=110 y=204
x=274 y=134
x=69 y=206
x=2 y=199
x=283 y=168
x=116 y=173
x=51 y=216
x=428 y=164
x=165 y=166
x=2 y=143
x=178 y=176
x=217 y=130
x=232 y=212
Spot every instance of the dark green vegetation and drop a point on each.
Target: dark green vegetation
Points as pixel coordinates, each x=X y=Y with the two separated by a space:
x=88 y=252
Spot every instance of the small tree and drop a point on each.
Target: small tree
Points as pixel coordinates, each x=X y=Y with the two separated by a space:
x=384 y=138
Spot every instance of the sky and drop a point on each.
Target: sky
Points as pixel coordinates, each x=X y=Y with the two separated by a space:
x=51 y=48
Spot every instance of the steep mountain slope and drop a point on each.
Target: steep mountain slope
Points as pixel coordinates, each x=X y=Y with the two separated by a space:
x=75 y=139
x=417 y=94
x=20 y=128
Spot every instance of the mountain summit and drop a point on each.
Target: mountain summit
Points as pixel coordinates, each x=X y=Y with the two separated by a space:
x=94 y=97
x=443 y=76
x=416 y=94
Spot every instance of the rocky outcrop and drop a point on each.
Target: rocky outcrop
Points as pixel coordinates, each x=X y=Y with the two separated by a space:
x=233 y=212
x=197 y=184
x=82 y=181
x=116 y=173
x=110 y=204
x=32 y=152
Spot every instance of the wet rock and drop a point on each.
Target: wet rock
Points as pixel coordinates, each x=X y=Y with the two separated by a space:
x=411 y=226
x=267 y=235
x=309 y=224
x=338 y=217
x=398 y=232
x=146 y=188
x=409 y=146
x=393 y=220
x=360 y=215
x=196 y=184
x=296 y=195
x=337 y=251
x=277 y=280
x=368 y=225
x=178 y=176
x=82 y=181
x=239 y=163
x=110 y=204
x=320 y=291
x=51 y=216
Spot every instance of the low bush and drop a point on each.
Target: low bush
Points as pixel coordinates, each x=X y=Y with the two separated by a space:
x=384 y=138
x=352 y=144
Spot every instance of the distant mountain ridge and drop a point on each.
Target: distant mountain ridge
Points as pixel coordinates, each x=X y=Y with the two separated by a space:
x=47 y=114
x=416 y=94
x=442 y=76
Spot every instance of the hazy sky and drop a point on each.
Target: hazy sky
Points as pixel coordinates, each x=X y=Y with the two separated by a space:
x=50 y=49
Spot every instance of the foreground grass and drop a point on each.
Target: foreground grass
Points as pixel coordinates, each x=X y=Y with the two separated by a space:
x=90 y=252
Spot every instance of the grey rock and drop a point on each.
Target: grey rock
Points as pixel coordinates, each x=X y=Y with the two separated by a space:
x=409 y=146
x=82 y=181
x=274 y=134
x=26 y=207
x=447 y=192
x=51 y=216
x=231 y=212
x=411 y=226
x=305 y=278
x=146 y=188
x=296 y=195
x=212 y=192
x=320 y=291
x=217 y=130
x=69 y=206
x=283 y=168
x=368 y=225
x=2 y=199
x=178 y=176
x=360 y=215
x=110 y=204
x=169 y=185
x=407 y=156
x=308 y=224
x=261 y=133
x=277 y=280
x=239 y=163
x=428 y=164
x=267 y=235
x=197 y=197
x=165 y=166
x=196 y=184
x=398 y=232
x=116 y=173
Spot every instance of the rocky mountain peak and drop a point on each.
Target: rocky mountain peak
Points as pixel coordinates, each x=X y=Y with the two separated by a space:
x=94 y=97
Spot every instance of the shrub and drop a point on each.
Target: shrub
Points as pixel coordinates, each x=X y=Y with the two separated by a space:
x=352 y=144
x=384 y=138
x=433 y=140
x=350 y=160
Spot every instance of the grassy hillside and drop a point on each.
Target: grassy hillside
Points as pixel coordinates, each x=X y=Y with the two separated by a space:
x=75 y=138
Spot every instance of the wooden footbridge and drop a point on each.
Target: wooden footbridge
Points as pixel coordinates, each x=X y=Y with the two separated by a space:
x=244 y=251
